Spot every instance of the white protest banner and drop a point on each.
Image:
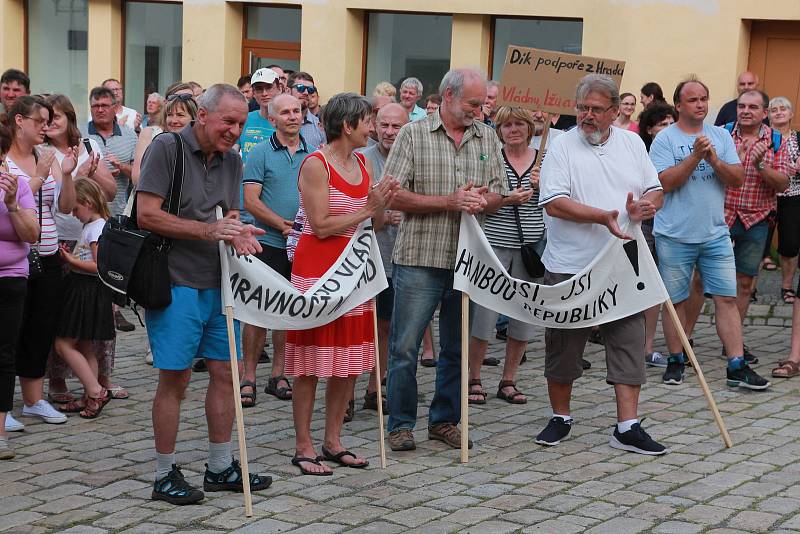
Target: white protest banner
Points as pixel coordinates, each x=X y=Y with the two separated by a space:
x=262 y=297
x=620 y=281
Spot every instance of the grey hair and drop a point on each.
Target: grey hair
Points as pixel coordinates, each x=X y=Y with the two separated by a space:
x=344 y=108
x=492 y=83
x=781 y=101
x=154 y=94
x=271 y=105
x=598 y=83
x=211 y=98
x=456 y=78
x=412 y=82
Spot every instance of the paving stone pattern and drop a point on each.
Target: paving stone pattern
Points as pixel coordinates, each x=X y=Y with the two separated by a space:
x=95 y=476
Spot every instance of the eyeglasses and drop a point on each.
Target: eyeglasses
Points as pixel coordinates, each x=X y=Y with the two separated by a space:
x=594 y=110
x=39 y=122
x=300 y=88
x=183 y=97
x=101 y=106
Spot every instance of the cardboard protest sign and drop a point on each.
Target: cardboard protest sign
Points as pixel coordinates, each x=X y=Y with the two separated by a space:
x=621 y=280
x=546 y=80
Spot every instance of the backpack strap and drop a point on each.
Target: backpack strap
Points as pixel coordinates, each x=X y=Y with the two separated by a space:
x=730 y=127
x=776 y=141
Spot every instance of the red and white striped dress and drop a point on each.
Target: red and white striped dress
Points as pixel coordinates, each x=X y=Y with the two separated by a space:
x=346 y=346
x=48 y=245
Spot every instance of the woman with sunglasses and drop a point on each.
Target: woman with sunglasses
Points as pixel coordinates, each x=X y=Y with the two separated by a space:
x=178 y=111
x=53 y=191
x=62 y=135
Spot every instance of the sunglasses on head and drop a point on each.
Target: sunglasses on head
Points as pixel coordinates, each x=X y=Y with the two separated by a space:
x=185 y=97
x=300 y=88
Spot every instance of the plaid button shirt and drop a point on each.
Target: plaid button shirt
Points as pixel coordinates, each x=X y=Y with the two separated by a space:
x=754 y=200
x=425 y=161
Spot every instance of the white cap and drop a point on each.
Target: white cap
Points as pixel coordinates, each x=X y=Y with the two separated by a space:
x=263 y=76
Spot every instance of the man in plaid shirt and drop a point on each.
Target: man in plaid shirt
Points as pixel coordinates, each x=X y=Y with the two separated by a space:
x=747 y=208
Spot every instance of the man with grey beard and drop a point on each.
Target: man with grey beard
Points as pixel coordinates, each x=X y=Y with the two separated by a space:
x=590 y=175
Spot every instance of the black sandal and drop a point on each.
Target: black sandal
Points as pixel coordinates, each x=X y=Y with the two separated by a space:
x=491 y=361
x=371 y=402
x=222 y=481
x=250 y=397
x=350 y=413
x=297 y=460
x=511 y=398
x=337 y=458
x=481 y=393
x=788 y=295
x=283 y=393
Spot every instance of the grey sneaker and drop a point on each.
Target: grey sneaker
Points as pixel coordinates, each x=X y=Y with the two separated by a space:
x=402 y=440
x=448 y=433
x=6 y=452
x=655 y=359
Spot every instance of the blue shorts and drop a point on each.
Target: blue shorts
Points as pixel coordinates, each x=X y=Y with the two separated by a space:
x=748 y=246
x=714 y=261
x=193 y=326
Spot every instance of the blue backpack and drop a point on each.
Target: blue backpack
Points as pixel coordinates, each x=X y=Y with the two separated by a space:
x=776 y=137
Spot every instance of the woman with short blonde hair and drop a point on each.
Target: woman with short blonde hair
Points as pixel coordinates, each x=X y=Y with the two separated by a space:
x=385 y=89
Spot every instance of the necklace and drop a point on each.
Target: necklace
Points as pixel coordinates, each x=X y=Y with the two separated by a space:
x=341 y=163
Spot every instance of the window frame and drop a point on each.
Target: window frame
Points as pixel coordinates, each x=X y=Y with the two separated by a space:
x=293 y=49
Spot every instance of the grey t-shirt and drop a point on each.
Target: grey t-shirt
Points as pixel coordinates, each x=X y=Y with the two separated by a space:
x=193 y=263
x=388 y=234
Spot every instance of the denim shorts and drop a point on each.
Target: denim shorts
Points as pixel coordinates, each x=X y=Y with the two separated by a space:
x=748 y=246
x=713 y=259
x=193 y=326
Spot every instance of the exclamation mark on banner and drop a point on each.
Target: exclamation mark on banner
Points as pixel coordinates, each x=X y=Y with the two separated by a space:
x=632 y=251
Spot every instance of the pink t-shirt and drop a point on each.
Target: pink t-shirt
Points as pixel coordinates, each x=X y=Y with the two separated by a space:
x=14 y=251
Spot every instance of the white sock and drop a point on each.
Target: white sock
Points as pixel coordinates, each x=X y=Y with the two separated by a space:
x=566 y=418
x=624 y=426
x=219 y=456
x=164 y=464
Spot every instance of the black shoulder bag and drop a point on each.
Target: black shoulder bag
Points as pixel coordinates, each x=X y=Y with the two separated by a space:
x=34 y=259
x=134 y=262
x=530 y=258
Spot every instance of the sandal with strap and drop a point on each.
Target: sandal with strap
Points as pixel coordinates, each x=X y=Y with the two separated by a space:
x=95 y=405
x=230 y=479
x=60 y=397
x=297 y=460
x=248 y=399
x=514 y=396
x=73 y=406
x=282 y=393
x=337 y=458
x=786 y=369
x=350 y=413
x=788 y=295
x=476 y=392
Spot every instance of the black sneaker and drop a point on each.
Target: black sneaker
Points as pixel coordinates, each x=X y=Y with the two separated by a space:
x=746 y=378
x=749 y=357
x=231 y=480
x=174 y=489
x=674 y=372
x=556 y=430
x=636 y=440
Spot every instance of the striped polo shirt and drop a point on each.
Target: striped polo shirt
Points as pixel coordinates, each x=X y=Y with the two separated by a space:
x=501 y=227
x=121 y=144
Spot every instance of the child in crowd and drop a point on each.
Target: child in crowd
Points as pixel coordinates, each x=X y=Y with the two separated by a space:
x=87 y=313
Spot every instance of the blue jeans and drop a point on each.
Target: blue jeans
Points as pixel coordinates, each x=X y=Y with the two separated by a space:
x=417 y=292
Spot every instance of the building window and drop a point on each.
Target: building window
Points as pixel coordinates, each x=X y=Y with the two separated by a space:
x=58 y=60
x=153 y=36
x=557 y=35
x=401 y=45
x=272 y=37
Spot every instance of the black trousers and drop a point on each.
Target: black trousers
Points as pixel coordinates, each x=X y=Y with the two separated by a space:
x=12 y=303
x=40 y=318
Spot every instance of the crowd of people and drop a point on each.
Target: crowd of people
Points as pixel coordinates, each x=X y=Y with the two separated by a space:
x=287 y=170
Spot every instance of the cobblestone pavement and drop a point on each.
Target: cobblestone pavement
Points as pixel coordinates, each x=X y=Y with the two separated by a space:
x=95 y=476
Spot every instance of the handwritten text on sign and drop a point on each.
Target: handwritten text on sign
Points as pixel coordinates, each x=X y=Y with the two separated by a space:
x=545 y=80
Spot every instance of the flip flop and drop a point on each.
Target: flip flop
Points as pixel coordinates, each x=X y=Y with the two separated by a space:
x=118 y=392
x=337 y=458
x=297 y=460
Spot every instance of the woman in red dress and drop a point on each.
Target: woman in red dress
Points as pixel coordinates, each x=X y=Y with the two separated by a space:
x=336 y=194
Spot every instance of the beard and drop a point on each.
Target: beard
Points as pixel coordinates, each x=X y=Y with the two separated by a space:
x=594 y=137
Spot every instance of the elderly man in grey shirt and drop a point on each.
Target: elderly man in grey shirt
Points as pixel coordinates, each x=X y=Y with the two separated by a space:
x=193 y=325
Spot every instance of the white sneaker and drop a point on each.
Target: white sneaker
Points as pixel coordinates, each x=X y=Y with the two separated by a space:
x=12 y=425
x=45 y=412
x=148 y=356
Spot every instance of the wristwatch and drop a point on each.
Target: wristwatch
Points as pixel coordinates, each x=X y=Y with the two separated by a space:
x=760 y=166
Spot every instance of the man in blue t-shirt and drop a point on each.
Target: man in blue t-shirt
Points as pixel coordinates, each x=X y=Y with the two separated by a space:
x=695 y=162
x=272 y=198
x=258 y=128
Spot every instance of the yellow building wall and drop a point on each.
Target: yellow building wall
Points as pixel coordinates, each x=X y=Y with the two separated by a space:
x=105 y=32
x=12 y=42
x=212 y=41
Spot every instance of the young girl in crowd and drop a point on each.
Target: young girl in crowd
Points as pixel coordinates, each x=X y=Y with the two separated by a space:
x=87 y=314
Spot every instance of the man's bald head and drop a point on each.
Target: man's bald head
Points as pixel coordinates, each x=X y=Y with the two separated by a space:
x=392 y=111
x=747 y=81
x=285 y=112
x=390 y=119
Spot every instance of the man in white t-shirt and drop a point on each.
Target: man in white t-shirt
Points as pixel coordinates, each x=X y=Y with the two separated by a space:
x=125 y=116
x=590 y=175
